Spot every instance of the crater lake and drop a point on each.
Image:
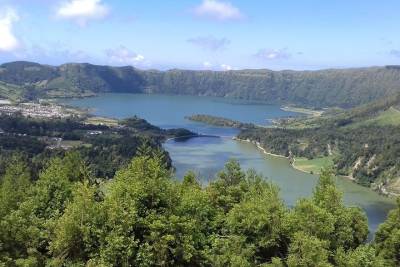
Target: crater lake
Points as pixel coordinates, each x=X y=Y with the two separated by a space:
x=206 y=155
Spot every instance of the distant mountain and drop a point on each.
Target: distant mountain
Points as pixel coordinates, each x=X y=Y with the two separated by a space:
x=323 y=88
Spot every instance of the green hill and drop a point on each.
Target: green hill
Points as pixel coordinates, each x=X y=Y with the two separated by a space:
x=10 y=91
x=362 y=143
x=324 y=88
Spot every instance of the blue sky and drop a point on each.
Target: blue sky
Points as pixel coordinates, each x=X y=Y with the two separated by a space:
x=202 y=34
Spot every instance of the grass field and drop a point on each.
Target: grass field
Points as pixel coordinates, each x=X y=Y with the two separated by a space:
x=313 y=165
x=70 y=143
x=309 y=112
x=102 y=121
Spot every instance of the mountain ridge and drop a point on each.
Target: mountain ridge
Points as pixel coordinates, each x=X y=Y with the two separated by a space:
x=344 y=88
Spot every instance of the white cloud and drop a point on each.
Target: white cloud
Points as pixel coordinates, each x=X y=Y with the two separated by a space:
x=122 y=55
x=226 y=67
x=272 y=54
x=210 y=43
x=207 y=65
x=82 y=11
x=218 y=10
x=8 y=41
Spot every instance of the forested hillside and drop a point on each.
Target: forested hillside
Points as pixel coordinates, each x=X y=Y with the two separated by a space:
x=363 y=143
x=144 y=217
x=334 y=87
x=104 y=148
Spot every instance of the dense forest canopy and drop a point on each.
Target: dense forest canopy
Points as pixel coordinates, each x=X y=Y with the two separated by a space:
x=145 y=217
x=332 y=87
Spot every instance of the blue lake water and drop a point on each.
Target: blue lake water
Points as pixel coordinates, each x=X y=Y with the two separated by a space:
x=207 y=155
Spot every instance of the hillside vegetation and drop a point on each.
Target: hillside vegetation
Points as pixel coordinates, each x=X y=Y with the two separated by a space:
x=145 y=217
x=334 y=87
x=104 y=148
x=218 y=121
x=363 y=143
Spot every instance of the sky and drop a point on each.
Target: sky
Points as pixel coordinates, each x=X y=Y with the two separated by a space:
x=203 y=34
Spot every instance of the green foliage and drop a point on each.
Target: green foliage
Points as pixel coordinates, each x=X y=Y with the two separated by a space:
x=14 y=186
x=11 y=91
x=75 y=234
x=308 y=251
x=219 y=121
x=387 y=239
x=25 y=232
x=326 y=194
x=106 y=152
x=259 y=217
x=230 y=251
x=332 y=226
x=357 y=142
x=143 y=217
x=309 y=218
x=230 y=187
x=364 y=255
x=351 y=226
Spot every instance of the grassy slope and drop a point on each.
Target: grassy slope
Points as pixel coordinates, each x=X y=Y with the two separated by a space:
x=383 y=113
x=314 y=165
x=9 y=91
x=390 y=116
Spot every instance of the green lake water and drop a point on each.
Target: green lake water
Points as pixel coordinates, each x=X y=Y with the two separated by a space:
x=207 y=155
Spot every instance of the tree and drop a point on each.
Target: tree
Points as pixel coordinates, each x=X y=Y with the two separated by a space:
x=26 y=231
x=350 y=224
x=308 y=251
x=75 y=237
x=14 y=186
x=141 y=225
x=230 y=251
x=259 y=219
x=230 y=186
x=387 y=238
x=326 y=194
x=144 y=217
x=311 y=219
x=364 y=255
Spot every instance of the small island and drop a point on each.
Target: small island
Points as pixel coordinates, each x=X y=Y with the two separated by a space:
x=219 y=121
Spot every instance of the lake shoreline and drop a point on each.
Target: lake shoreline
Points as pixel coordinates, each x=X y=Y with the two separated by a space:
x=208 y=155
x=292 y=164
x=264 y=151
